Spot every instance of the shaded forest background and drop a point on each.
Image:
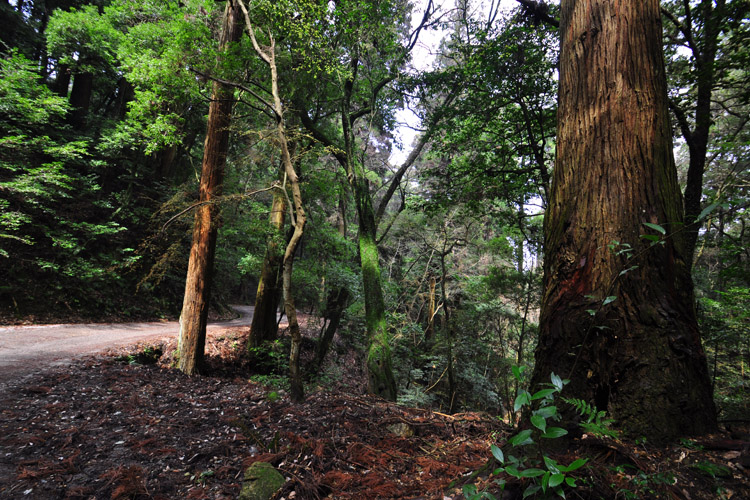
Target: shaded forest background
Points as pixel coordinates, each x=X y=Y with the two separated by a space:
x=103 y=110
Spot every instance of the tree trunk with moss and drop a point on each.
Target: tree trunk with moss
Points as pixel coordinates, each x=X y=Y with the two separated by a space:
x=200 y=266
x=264 y=326
x=379 y=365
x=638 y=353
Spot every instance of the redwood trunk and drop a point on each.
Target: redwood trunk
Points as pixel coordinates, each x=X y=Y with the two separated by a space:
x=200 y=266
x=639 y=357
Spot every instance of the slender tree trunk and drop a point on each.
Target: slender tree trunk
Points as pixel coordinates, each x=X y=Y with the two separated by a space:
x=200 y=266
x=704 y=50
x=264 y=325
x=299 y=219
x=639 y=357
x=430 y=330
x=337 y=300
x=379 y=365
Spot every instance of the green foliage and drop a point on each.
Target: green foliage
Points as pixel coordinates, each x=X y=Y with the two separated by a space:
x=594 y=421
x=548 y=478
x=147 y=356
x=54 y=213
x=643 y=485
x=724 y=320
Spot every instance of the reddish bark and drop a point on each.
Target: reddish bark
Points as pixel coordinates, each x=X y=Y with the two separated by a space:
x=639 y=357
x=200 y=266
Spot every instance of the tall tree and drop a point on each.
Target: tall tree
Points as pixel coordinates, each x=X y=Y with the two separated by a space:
x=265 y=325
x=618 y=319
x=200 y=266
x=370 y=56
x=715 y=36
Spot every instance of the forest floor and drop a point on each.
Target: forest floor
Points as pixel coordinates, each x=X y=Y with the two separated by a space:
x=128 y=426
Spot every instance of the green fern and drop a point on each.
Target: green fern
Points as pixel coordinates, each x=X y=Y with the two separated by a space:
x=594 y=422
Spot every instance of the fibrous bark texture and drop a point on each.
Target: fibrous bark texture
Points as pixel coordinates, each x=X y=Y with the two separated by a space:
x=639 y=356
x=200 y=266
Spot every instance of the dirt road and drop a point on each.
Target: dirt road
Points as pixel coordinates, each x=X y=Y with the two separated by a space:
x=25 y=350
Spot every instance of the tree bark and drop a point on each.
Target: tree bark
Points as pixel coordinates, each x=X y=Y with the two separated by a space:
x=639 y=357
x=62 y=80
x=379 y=365
x=200 y=266
x=299 y=217
x=264 y=326
x=80 y=99
x=429 y=331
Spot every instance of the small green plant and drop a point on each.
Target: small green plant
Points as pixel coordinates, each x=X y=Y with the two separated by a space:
x=530 y=462
x=204 y=476
x=644 y=485
x=711 y=469
x=148 y=356
x=690 y=444
x=594 y=422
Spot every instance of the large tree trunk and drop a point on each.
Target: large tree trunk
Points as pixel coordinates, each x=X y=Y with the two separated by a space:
x=200 y=266
x=264 y=326
x=639 y=357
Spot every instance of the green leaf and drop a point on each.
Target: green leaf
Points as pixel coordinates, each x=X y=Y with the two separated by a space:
x=522 y=438
x=470 y=490
x=543 y=394
x=557 y=381
x=523 y=398
x=554 y=432
x=551 y=464
x=531 y=490
x=704 y=213
x=497 y=453
x=591 y=312
x=609 y=300
x=518 y=372
x=546 y=411
x=655 y=227
x=651 y=237
x=545 y=480
x=513 y=471
x=570 y=481
x=577 y=464
x=532 y=472
x=539 y=422
x=556 y=480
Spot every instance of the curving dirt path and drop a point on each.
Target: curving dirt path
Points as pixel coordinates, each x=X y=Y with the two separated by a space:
x=25 y=350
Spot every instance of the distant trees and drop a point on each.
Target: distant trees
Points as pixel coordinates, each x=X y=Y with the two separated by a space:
x=708 y=84
x=618 y=315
